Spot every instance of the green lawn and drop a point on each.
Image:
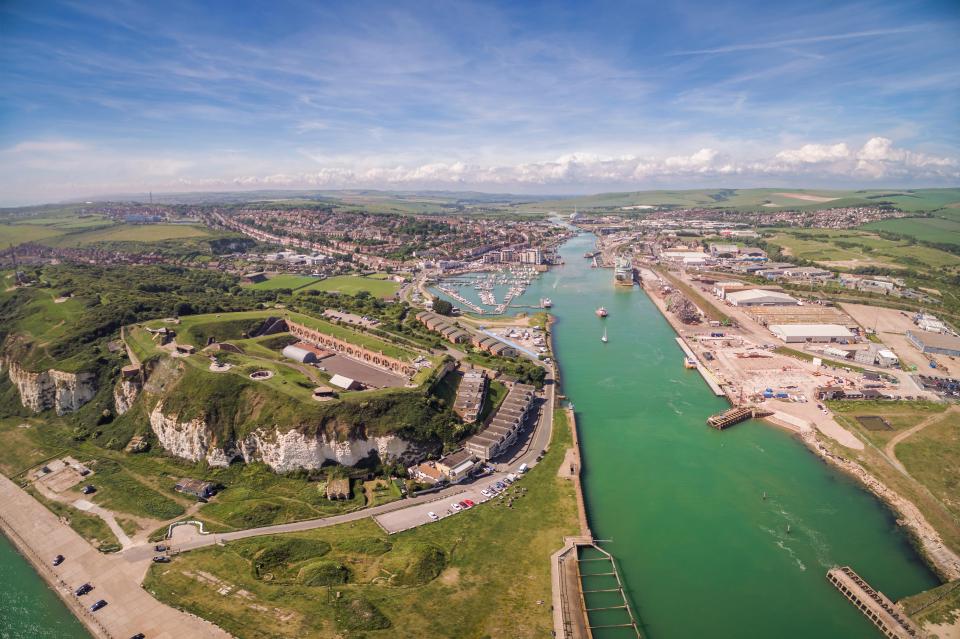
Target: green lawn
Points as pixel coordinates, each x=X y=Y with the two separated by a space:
x=21 y=450
x=20 y=233
x=353 y=284
x=940 y=605
x=284 y=280
x=445 y=577
x=496 y=393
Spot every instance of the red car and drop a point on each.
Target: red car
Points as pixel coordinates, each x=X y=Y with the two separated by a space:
x=468 y=503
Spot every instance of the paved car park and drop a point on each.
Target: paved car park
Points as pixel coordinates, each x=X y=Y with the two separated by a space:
x=400 y=520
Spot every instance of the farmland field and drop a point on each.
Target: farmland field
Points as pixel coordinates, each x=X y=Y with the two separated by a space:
x=351 y=285
x=133 y=233
x=927 y=229
x=859 y=248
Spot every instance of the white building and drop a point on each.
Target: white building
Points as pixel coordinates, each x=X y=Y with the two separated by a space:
x=760 y=297
x=793 y=333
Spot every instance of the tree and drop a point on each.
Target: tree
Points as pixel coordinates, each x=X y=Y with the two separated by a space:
x=443 y=307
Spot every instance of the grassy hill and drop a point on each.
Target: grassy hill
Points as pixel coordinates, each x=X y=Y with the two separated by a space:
x=758 y=199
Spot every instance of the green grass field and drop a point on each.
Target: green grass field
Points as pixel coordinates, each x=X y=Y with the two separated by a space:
x=754 y=199
x=132 y=233
x=926 y=229
x=442 y=577
x=353 y=284
x=284 y=280
x=861 y=248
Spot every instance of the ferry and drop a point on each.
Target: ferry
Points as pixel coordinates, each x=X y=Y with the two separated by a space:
x=546 y=302
x=602 y=312
x=689 y=362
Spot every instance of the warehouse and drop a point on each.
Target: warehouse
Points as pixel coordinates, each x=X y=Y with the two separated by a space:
x=935 y=343
x=759 y=297
x=792 y=333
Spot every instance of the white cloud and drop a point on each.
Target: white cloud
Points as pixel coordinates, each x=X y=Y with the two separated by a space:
x=46 y=146
x=815 y=153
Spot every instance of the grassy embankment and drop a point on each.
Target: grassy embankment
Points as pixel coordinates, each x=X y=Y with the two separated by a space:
x=484 y=572
x=929 y=456
x=708 y=308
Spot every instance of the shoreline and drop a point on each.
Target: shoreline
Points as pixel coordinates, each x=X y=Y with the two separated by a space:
x=943 y=561
x=52 y=582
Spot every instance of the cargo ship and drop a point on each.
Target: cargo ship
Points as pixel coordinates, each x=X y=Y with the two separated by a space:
x=623 y=272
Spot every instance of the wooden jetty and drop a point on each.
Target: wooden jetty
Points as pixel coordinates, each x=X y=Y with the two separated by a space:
x=884 y=614
x=735 y=415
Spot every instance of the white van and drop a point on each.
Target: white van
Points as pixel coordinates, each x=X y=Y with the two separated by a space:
x=523 y=468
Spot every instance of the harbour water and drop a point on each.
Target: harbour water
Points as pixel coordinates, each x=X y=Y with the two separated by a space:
x=719 y=534
x=28 y=608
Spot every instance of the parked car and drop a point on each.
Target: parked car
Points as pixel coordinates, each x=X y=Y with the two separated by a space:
x=58 y=560
x=456 y=507
x=432 y=515
x=486 y=492
x=469 y=503
x=160 y=548
x=89 y=489
x=98 y=605
x=82 y=590
x=139 y=635
x=161 y=559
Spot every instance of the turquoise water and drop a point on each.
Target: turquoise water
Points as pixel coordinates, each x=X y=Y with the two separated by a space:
x=28 y=608
x=700 y=549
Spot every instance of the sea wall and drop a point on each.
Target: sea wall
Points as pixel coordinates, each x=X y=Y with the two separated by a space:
x=283 y=451
x=61 y=391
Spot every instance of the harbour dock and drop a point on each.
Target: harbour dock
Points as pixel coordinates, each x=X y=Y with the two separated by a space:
x=882 y=612
x=706 y=374
x=735 y=415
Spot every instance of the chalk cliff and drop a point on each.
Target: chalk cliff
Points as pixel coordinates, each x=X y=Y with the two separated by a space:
x=282 y=451
x=63 y=392
x=125 y=393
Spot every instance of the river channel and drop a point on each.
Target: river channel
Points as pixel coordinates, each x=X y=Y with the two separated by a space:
x=717 y=534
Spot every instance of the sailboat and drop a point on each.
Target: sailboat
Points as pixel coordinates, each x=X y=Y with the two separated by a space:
x=604 y=338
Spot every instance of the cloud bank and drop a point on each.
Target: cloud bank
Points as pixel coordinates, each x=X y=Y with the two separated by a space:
x=877 y=159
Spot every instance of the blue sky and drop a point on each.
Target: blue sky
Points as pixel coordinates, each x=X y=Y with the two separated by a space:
x=106 y=97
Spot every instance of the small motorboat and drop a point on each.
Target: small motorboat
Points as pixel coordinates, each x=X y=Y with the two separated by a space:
x=602 y=312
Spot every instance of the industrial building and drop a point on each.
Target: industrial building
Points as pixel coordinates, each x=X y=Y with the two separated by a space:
x=794 y=333
x=938 y=343
x=299 y=354
x=760 y=297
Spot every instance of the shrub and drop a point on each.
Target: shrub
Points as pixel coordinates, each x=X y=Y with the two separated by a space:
x=323 y=573
x=414 y=563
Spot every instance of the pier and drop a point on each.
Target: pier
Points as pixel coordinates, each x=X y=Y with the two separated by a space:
x=735 y=415
x=884 y=614
x=706 y=374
